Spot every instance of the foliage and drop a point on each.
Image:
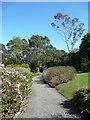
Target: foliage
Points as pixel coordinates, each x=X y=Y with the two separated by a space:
x=85 y=53
x=37 y=52
x=41 y=69
x=2 y=53
x=71 y=29
x=58 y=75
x=75 y=56
x=82 y=100
x=15 y=65
x=38 y=45
x=26 y=73
x=43 y=54
x=16 y=85
x=68 y=90
x=55 y=57
x=34 y=67
x=16 y=48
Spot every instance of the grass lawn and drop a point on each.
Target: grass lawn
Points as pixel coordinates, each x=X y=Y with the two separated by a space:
x=35 y=74
x=68 y=89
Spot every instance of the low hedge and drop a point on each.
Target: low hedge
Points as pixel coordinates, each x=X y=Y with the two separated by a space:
x=16 y=65
x=58 y=75
x=82 y=100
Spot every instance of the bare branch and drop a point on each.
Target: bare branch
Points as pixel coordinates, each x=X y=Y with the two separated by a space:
x=71 y=29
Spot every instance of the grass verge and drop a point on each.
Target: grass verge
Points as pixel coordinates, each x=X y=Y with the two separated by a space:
x=68 y=89
x=35 y=74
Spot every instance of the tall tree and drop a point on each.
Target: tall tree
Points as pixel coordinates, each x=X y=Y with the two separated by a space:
x=71 y=30
x=15 y=50
x=75 y=54
x=54 y=57
x=85 y=53
x=38 y=46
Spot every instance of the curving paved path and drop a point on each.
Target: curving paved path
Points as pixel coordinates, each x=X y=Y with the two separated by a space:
x=46 y=102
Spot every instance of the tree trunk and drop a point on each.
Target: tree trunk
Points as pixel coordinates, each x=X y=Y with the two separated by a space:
x=70 y=55
x=70 y=58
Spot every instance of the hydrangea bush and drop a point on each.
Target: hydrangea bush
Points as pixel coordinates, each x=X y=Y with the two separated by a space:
x=16 y=85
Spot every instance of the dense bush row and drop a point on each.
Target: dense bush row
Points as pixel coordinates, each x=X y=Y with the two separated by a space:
x=58 y=75
x=25 y=72
x=16 y=85
x=82 y=100
x=15 y=65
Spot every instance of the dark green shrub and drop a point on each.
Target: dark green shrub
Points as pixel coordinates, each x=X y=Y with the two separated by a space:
x=34 y=69
x=58 y=75
x=15 y=65
x=82 y=100
x=41 y=69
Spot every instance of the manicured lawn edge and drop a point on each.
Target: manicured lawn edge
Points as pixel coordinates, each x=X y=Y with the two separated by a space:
x=68 y=89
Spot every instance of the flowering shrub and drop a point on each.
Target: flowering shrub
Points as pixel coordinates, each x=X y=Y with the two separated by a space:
x=58 y=75
x=15 y=87
x=24 y=70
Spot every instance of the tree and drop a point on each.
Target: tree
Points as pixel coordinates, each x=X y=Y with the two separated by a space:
x=16 y=48
x=70 y=30
x=54 y=57
x=75 y=54
x=38 y=45
x=85 y=53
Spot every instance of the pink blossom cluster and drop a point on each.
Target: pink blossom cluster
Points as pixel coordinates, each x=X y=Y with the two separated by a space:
x=13 y=82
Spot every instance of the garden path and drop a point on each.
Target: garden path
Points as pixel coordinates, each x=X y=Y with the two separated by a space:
x=46 y=102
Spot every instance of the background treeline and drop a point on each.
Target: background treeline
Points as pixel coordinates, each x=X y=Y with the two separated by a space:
x=39 y=54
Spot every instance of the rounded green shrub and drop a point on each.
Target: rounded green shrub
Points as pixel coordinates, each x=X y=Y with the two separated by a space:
x=41 y=69
x=58 y=75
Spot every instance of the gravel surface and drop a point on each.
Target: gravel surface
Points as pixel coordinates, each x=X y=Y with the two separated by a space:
x=46 y=102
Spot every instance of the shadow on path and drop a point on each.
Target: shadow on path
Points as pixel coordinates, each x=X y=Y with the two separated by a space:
x=70 y=106
x=73 y=110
